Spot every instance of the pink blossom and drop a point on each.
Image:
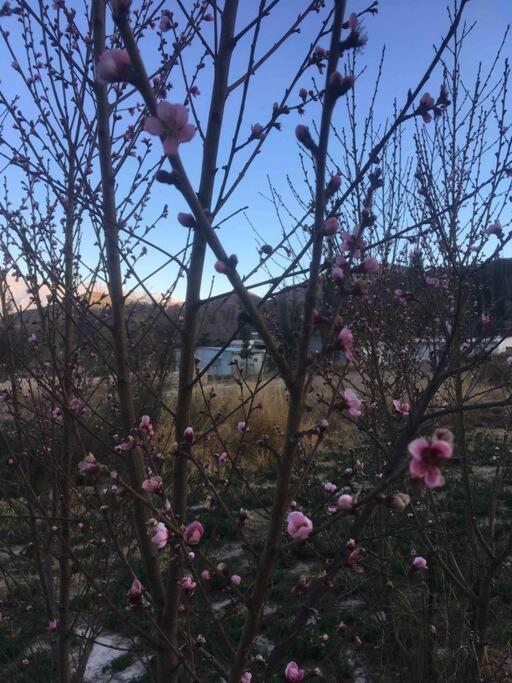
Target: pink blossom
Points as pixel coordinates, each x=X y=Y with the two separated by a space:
x=165 y=23
x=401 y=407
x=353 y=21
x=432 y=281
x=353 y=243
x=427 y=103
x=333 y=185
x=350 y=402
x=370 y=265
x=75 y=404
x=205 y=575
x=188 y=435
x=246 y=677
x=338 y=274
x=299 y=526
x=188 y=584
x=53 y=624
x=329 y=488
x=419 y=563
x=345 y=502
x=341 y=84
x=114 y=66
x=495 y=229
x=146 y=426
x=220 y=266
x=331 y=226
x=89 y=464
x=171 y=121
x=292 y=673
x=485 y=318
x=426 y=458
x=344 y=342
x=33 y=339
x=135 y=592
x=222 y=457
x=193 y=533
x=242 y=427
x=235 y=580
x=187 y=220
x=153 y=484
x=256 y=131
x=403 y=297
x=56 y=413
x=161 y=535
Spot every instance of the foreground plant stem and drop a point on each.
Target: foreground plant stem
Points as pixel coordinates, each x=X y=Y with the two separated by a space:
x=113 y=265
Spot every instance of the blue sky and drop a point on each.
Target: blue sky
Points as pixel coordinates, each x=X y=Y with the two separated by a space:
x=407 y=28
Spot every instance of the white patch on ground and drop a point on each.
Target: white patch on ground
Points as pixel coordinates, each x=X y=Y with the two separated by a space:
x=108 y=648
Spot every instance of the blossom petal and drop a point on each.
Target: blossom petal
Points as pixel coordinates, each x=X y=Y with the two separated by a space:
x=433 y=478
x=417 y=446
x=153 y=126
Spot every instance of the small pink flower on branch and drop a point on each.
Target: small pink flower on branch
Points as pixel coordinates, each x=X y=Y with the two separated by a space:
x=427 y=103
x=114 y=66
x=188 y=585
x=53 y=624
x=331 y=226
x=153 y=485
x=171 y=121
x=187 y=220
x=246 y=677
x=89 y=465
x=329 y=487
x=193 y=533
x=340 y=85
x=256 y=131
x=427 y=456
x=292 y=673
x=338 y=274
x=135 y=592
x=419 y=563
x=161 y=535
x=346 y=502
x=188 y=435
x=333 y=185
x=370 y=265
x=299 y=526
x=242 y=427
x=146 y=426
x=495 y=229
x=350 y=403
x=401 y=407
x=345 y=342
x=235 y=580
x=304 y=137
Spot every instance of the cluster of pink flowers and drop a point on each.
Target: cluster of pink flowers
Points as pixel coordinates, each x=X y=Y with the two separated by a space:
x=429 y=455
x=171 y=122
